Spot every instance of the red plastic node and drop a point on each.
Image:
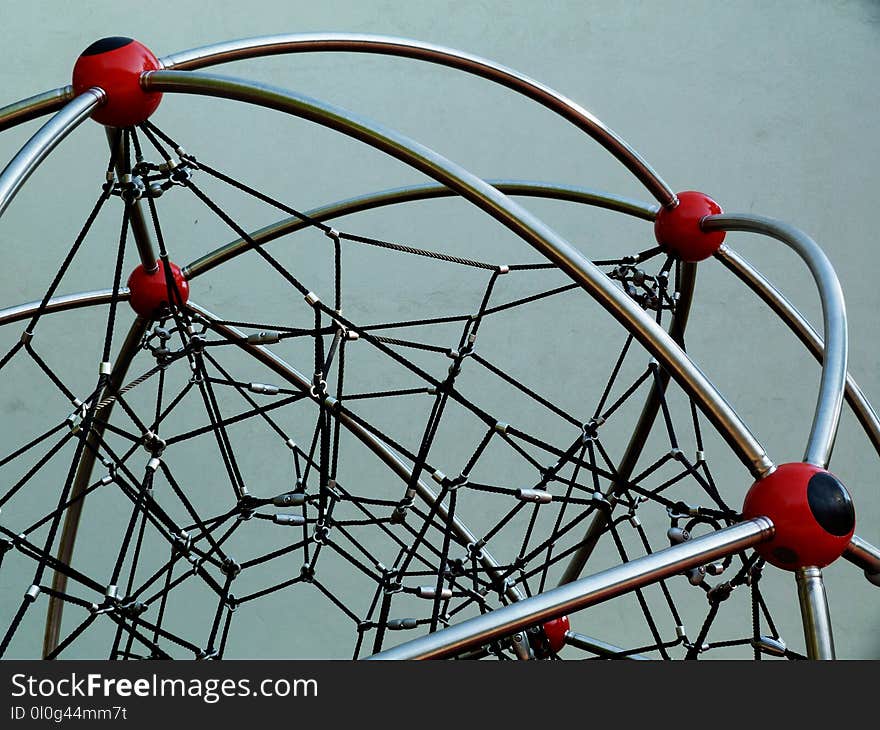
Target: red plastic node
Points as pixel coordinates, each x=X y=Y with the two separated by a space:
x=811 y=510
x=678 y=230
x=115 y=65
x=555 y=631
x=149 y=290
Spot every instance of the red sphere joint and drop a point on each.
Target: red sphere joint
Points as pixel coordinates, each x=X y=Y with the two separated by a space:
x=551 y=637
x=812 y=513
x=149 y=291
x=115 y=65
x=678 y=229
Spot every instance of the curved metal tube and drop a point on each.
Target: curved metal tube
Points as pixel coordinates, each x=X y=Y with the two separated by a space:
x=44 y=141
x=60 y=303
x=833 y=382
x=815 y=616
x=866 y=556
x=35 y=106
x=584 y=592
x=389 y=46
x=411 y=193
x=804 y=331
x=653 y=337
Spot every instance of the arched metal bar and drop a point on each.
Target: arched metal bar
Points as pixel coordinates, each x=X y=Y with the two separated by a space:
x=582 y=593
x=389 y=46
x=866 y=556
x=412 y=193
x=600 y=648
x=34 y=107
x=833 y=383
x=44 y=141
x=804 y=331
x=61 y=303
x=653 y=337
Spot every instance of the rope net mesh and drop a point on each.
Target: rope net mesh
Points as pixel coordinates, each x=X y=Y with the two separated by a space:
x=397 y=476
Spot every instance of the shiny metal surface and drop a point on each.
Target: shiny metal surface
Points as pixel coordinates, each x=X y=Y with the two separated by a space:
x=814 y=612
x=35 y=106
x=598 y=647
x=833 y=383
x=137 y=219
x=866 y=556
x=653 y=337
x=43 y=142
x=371 y=201
x=805 y=332
x=584 y=592
x=61 y=303
x=385 y=45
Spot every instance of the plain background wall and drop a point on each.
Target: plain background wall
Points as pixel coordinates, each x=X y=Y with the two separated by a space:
x=769 y=107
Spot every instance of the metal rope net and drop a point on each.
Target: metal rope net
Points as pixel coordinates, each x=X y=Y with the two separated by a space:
x=361 y=463
x=409 y=568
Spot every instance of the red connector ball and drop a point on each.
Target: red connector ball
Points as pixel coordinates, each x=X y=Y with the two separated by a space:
x=115 y=65
x=811 y=511
x=678 y=229
x=554 y=633
x=149 y=291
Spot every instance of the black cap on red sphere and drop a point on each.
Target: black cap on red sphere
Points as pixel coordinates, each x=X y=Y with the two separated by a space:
x=831 y=504
x=115 y=65
x=106 y=44
x=812 y=513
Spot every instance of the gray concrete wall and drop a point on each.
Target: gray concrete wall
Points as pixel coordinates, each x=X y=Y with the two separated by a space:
x=769 y=107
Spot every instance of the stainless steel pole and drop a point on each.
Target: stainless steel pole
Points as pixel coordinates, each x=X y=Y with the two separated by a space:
x=804 y=331
x=833 y=383
x=866 y=556
x=137 y=220
x=44 y=141
x=600 y=648
x=34 y=107
x=814 y=612
x=584 y=592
